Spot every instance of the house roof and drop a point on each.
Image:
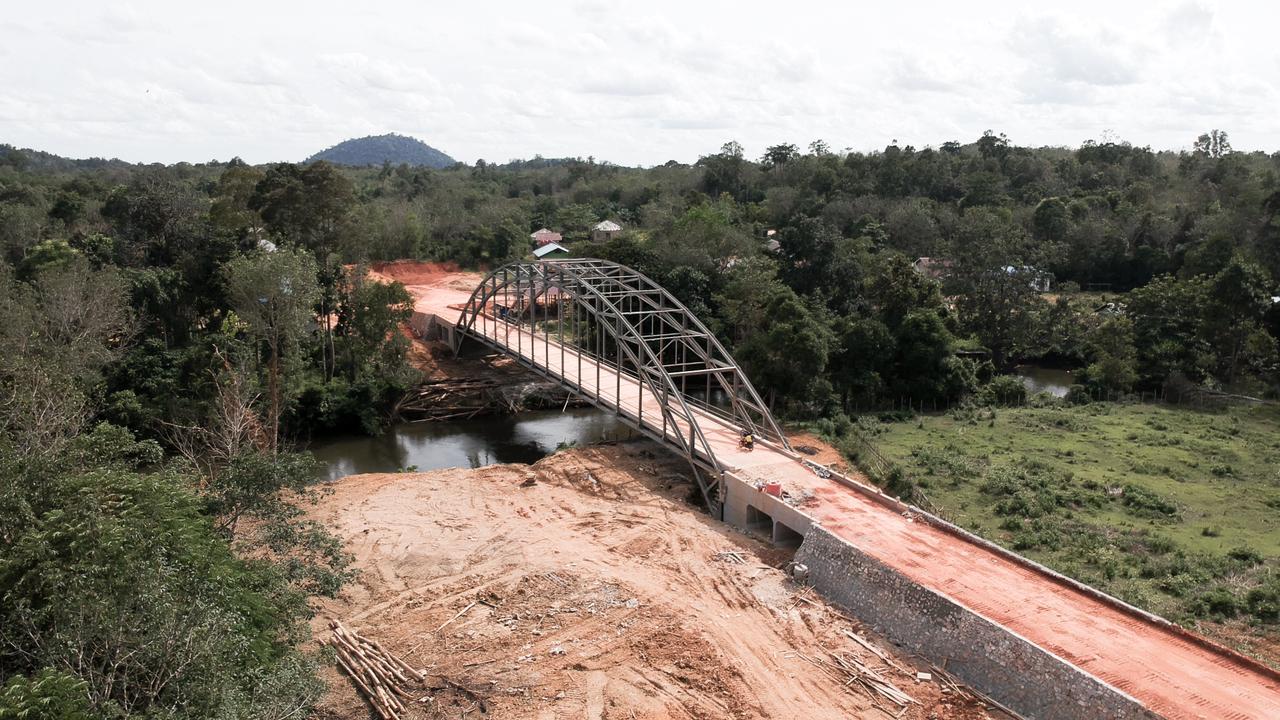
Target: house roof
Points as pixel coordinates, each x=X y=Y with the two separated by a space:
x=607 y=226
x=542 y=237
x=543 y=231
x=549 y=248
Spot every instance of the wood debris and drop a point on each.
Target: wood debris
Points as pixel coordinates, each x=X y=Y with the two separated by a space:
x=730 y=556
x=853 y=673
x=461 y=612
x=448 y=399
x=884 y=656
x=383 y=678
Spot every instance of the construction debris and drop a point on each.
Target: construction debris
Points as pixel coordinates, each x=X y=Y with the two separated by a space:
x=730 y=556
x=821 y=471
x=448 y=399
x=884 y=656
x=461 y=612
x=847 y=668
x=381 y=677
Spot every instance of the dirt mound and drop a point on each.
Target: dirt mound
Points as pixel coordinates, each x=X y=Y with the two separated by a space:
x=585 y=586
x=412 y=272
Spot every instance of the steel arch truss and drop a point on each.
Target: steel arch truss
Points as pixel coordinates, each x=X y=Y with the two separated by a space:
x=591 y=324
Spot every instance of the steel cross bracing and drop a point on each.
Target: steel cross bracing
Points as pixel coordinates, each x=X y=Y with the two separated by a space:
x=568 y=319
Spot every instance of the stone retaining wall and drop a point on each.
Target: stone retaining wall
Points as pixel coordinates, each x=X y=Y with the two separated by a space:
x=998 y=662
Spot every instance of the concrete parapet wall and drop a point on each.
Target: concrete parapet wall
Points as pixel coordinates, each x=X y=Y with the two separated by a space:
x=740 y=496
x=995 y=660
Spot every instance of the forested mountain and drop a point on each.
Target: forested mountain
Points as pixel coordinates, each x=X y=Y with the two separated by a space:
x=381 y=149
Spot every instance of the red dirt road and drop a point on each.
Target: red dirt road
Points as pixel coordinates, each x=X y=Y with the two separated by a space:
x=1168 y=673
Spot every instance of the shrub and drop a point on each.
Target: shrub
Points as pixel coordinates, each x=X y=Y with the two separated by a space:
x=1264 y=602
x=1143 y=503
x=1246 y=555
x=1078 y=395
x=1003 y=391
x=1218 y=602
x=1033 y=490
x=49 y=695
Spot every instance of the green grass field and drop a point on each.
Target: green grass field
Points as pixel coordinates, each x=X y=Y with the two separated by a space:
x=1172 y=509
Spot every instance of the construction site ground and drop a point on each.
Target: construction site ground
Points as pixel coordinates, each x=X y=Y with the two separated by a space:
x=594 y=592
x=1169 y=672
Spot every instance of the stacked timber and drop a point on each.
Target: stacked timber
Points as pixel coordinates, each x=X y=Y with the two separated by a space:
x=465 y=398
x=448 y=399
x=384 y=679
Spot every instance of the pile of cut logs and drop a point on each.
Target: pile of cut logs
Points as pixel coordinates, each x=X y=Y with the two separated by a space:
x=448 y=399
x=383 y=678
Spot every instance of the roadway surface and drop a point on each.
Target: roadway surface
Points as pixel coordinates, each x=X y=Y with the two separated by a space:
x=1170 y=674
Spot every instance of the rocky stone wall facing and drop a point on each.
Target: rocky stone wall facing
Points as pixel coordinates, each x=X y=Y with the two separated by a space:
x=1010 y=669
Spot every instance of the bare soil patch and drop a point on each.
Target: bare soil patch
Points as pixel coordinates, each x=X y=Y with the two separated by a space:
x=585 y=586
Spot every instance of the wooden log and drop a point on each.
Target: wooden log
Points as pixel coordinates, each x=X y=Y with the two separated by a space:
x=384 y=712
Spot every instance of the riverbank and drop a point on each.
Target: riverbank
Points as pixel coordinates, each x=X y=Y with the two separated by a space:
x=586 y=586
x=1170 y=508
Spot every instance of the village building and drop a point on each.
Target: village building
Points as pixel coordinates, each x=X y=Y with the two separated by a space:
x=606 y=230
x=551 y=250
x=1038 y=280
x=933 y=268
x=771 y=243
x=544 y=236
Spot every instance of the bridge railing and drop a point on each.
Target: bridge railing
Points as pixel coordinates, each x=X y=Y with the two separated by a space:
x=605 y=324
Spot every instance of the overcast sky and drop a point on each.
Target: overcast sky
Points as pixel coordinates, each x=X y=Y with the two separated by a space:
x=638 y=82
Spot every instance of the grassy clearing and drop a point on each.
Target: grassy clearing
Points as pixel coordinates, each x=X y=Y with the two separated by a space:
x=1172 y=509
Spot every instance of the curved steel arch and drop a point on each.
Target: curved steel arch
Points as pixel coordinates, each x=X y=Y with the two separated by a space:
x=620 y=318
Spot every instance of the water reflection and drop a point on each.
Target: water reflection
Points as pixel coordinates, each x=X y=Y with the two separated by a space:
x=524 y=438
x=1042 y=379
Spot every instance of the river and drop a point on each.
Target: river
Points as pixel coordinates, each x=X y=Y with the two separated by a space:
x=524 y=438
x=1038 y=379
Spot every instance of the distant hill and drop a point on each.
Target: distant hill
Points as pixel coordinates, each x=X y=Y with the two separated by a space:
x=377 y=149
x=41 y=161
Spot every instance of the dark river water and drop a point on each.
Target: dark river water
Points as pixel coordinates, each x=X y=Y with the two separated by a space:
x=524 y=438
x=1042 y=379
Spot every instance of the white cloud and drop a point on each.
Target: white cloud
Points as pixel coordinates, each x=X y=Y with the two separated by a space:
x=1054 y=53
x=629 y=82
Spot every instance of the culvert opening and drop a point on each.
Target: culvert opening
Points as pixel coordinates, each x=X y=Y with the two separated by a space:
x=759 y=522
x=785 y=537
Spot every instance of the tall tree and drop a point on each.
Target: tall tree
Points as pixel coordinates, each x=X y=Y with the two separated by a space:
x=274 y=293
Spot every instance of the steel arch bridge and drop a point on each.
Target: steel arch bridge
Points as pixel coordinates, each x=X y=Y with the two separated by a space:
x=627 y=345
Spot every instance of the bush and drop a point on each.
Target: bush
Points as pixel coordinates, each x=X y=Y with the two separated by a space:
x=1003 y=391
x=1219 y=602
x=1078 y=395
x=1246 y=555
x=50 y=695
x=1264 y=602
x=1143 y=503
x=1034 y=490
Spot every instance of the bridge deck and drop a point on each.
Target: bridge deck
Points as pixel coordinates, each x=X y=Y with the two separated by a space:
x=1170 y=674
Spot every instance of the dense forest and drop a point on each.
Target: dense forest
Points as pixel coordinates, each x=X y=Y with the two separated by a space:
x=168 y=332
